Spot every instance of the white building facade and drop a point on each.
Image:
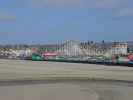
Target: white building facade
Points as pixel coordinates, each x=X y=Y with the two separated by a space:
x=118 y=48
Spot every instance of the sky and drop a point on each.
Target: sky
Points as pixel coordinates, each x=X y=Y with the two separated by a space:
x=52 y=21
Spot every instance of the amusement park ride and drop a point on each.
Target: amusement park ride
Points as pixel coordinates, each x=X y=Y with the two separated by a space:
x=71 y=51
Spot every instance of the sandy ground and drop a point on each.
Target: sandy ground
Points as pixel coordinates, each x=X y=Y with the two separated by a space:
x=68 y=91
x=16 y=69
x=63 y=90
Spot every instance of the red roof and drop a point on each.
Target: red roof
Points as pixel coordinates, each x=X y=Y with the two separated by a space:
x=49 y=54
